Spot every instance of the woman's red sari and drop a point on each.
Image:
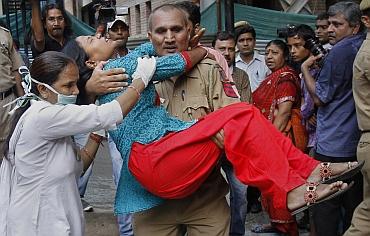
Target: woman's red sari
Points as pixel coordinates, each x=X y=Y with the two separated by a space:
x=280 y=86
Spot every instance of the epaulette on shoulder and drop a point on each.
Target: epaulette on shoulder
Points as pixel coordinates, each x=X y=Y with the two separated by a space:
x=208 y=61
x=5 y=29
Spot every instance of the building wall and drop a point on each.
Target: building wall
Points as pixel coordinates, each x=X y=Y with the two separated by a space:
x=317 y=6
x=139 y=11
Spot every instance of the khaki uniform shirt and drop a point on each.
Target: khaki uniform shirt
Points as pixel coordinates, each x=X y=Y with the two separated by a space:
x=361 y=85
x=192 y=96
x=10 y=60
x=242 y=84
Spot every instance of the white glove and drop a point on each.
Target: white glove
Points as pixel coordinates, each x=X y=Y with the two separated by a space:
x=145 y=69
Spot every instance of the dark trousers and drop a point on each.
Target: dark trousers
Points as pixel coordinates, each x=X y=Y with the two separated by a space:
x=333 y=217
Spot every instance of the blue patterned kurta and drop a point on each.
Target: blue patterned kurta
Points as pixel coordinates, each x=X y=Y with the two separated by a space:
x=144 y=124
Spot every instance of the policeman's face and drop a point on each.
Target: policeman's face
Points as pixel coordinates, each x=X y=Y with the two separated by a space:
x=119 y=32
x=322 y=31
x=54 y=23
x=246 y=44
x=339 y=28
x=227 y=48
x=169 y=32
x=296 y=48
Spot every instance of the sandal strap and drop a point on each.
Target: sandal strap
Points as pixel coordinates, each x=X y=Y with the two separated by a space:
x=311 y=195
x=326 y=171
x=350 y=165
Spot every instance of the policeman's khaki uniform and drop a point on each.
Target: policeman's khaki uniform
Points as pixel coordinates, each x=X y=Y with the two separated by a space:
x=360 y=224
x=10 y=61
x=205 y=212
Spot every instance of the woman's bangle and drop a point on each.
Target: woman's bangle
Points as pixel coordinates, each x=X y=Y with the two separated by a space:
x=206 y=56
x=136 y=90
x=96 y=138
x=186 y=57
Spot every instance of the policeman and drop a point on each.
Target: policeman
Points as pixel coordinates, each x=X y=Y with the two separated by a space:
x=10 y=82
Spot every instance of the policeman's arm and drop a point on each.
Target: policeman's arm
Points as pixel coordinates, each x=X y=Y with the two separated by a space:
x=37 y=26
x=309 y=80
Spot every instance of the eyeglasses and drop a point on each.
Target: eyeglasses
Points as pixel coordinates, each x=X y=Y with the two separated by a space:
x=53 y=19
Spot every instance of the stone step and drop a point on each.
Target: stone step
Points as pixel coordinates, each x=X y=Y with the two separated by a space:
x=101 y=223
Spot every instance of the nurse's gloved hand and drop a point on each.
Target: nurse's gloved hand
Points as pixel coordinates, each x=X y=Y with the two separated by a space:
x=145 y=69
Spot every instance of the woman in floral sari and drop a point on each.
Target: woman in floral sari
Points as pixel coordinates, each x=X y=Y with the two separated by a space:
x=279 y=98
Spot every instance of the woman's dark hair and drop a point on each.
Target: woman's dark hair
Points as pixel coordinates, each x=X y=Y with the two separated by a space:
x=68 y=32
x=46 y=68
x=78 y=54
x=282 y=45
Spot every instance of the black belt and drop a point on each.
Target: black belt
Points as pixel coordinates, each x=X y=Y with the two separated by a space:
x=3 y=95
x=365 y=131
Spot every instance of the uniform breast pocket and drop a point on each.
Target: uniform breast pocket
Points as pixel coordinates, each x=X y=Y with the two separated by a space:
x=196 y=107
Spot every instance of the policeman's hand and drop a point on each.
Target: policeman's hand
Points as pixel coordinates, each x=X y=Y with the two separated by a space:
x=106 y=81
x=218 y=139
x=194 y=41
x=310 y=61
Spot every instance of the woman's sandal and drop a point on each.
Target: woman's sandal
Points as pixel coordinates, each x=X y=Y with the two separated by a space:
x=311 y=196
x=326 y=172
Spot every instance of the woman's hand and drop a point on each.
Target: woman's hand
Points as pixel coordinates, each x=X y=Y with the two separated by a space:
x=145 y=69
x=106 y=81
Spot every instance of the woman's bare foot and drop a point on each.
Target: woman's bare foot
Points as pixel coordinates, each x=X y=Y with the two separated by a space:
x=336 y=169
x=296 y=197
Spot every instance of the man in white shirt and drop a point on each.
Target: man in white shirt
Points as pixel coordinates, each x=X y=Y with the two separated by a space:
x=248 y=59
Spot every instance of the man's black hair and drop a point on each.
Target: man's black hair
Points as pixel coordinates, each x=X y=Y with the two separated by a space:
x=303 y=31
x=222 y=36
x=322 y=16
x=68 y=32
x=366 y=12
x=193 y=11
x=243 y=30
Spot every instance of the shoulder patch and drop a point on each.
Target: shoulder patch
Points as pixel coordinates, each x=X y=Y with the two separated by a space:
x=229 y=90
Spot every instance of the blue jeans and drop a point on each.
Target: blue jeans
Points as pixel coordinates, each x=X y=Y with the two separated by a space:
x=238 y=201
x=81 y=140
x=124 y=220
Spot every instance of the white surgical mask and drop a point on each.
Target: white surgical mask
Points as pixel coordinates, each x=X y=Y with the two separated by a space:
x=62 y=99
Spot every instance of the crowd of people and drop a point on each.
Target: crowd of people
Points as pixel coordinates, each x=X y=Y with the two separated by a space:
x=289 y=127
